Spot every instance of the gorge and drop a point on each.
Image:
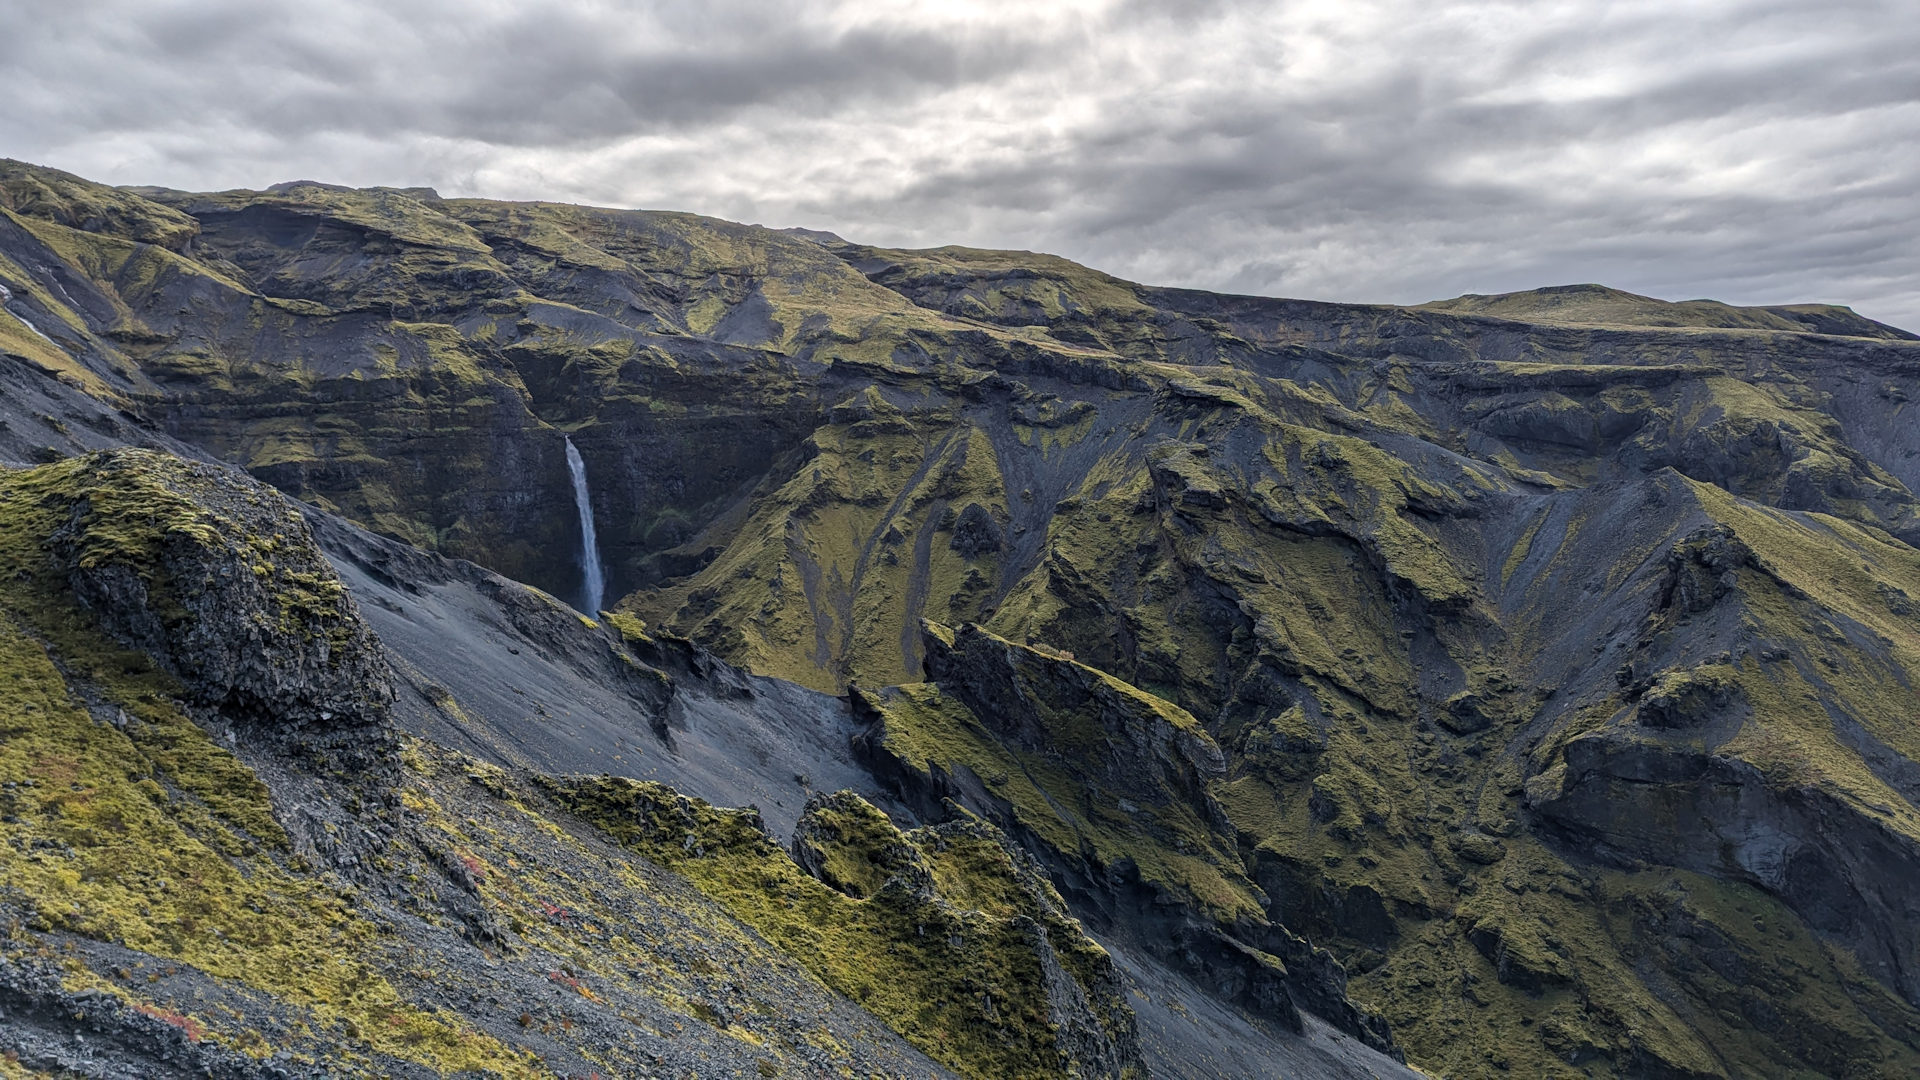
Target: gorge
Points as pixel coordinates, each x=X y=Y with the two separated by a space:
x=983 y=666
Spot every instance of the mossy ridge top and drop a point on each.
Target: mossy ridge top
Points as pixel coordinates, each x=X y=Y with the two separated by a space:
x=66 y=199
x=1599 y=306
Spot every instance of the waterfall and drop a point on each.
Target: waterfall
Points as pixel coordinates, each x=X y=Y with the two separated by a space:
x=596 y=586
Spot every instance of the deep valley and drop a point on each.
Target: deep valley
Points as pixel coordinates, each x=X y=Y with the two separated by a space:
x=998 y=669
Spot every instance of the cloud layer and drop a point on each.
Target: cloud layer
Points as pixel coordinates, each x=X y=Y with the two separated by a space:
x=1756 y=151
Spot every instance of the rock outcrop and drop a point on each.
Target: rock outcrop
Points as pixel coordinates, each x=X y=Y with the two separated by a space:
x=218 y=579
x=945 y=932
x=188 y=888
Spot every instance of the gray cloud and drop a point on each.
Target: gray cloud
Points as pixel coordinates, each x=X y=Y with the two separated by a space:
x=1757 y=151
x=522 y=78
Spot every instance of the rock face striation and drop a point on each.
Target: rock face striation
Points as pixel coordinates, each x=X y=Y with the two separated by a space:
x=1520 y=683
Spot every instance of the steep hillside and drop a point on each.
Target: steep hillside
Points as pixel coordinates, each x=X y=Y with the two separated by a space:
x=1524 y=682
x=222 y=859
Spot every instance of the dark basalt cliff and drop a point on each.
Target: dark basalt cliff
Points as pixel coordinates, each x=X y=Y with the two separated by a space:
x=1211 y=685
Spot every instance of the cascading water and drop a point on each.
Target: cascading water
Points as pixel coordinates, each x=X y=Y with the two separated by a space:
x=596 y=585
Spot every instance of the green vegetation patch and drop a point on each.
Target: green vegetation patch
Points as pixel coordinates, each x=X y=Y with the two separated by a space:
x=965 y=985
x=51 y=195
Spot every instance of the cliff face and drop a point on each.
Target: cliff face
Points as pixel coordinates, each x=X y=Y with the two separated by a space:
x=1110 y=788
x=1545 y=661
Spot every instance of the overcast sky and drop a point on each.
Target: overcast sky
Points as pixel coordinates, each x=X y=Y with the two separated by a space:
x=1756 y=151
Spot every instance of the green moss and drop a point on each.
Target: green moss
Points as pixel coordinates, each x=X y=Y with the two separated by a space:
x=850 y=845
x=135 y=827
x=1015 y=287
x=442 y=350
x=131 y=270
x=963 y=985
x=1522 y=548
x=1596 y=305
x=1539 y=966
x=130 y=508
x=160 y=864
x=631 y=628
x=34 y=191
x=17 y=339
x=829 y=578
x=390 y=213
x=1330 y=476
x=1299 y=562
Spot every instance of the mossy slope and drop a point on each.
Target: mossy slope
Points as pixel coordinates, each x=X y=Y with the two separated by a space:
x=203 y=881
x=1110 y=786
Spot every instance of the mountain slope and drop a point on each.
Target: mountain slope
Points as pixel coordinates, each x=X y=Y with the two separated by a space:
x=1546 y=660
x=219 y=851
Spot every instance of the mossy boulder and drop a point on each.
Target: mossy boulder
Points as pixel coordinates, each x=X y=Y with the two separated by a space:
x=975 y=533
x=1689 y=698
x=1705 y=567
x=1519 y=958
x=850 y=845
x=217 y=578
x=1286 y=746
x=1465 y=713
